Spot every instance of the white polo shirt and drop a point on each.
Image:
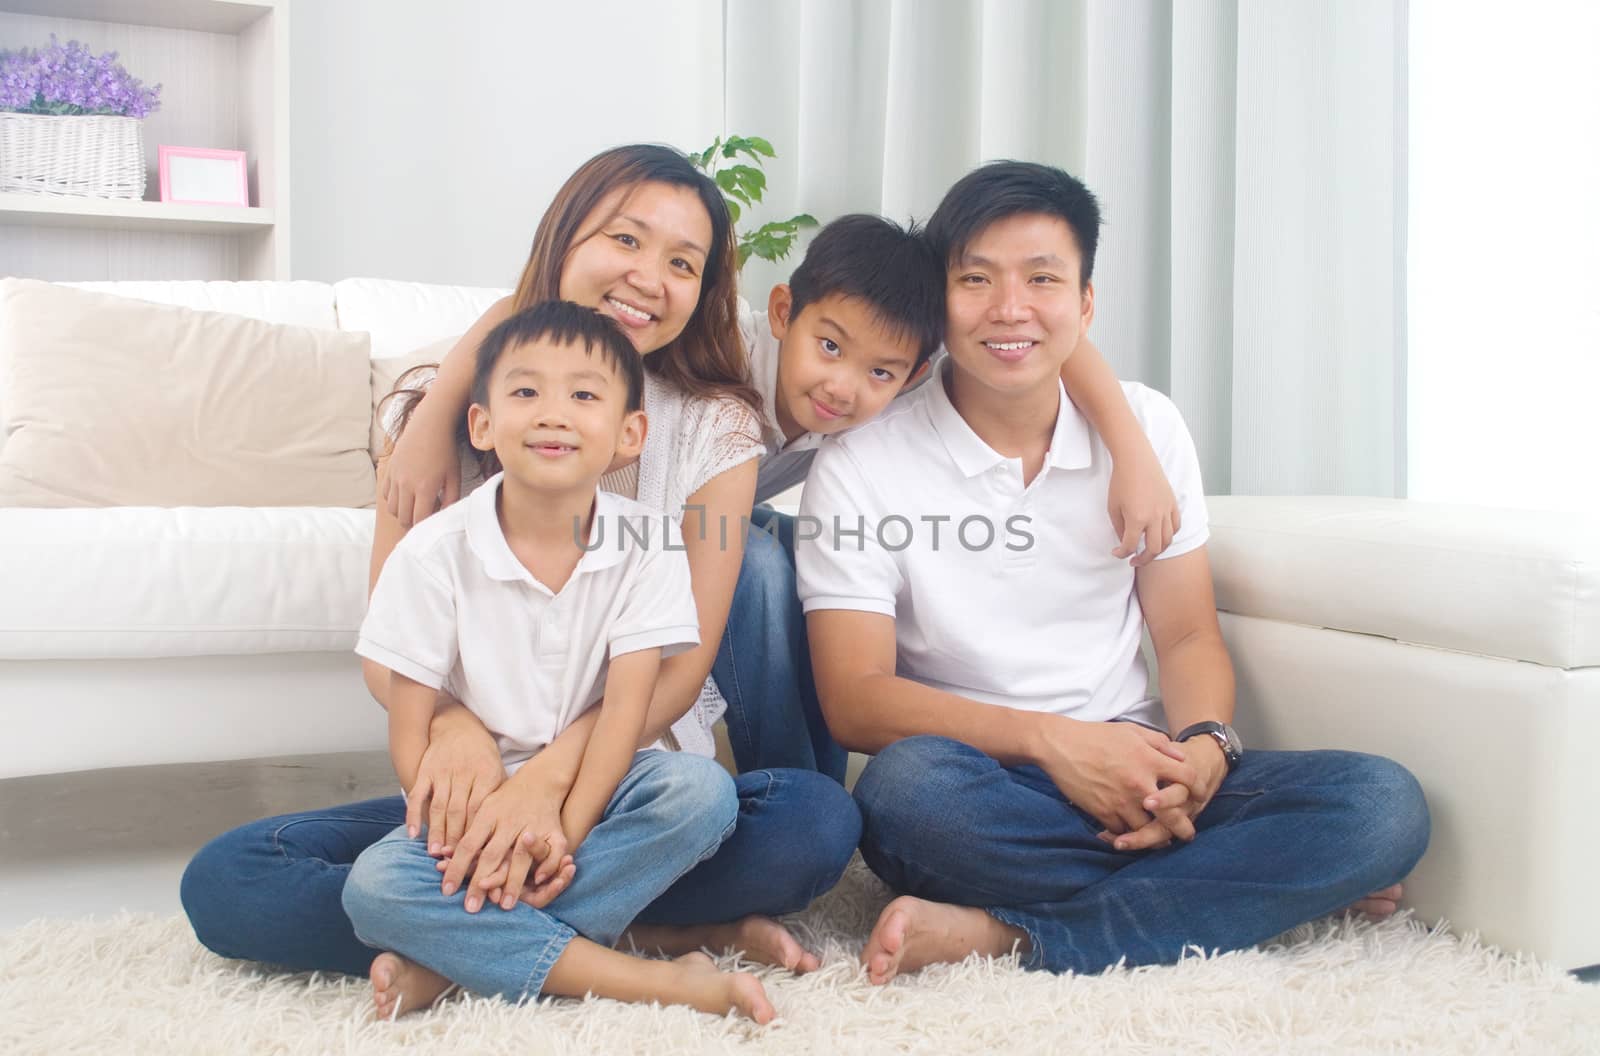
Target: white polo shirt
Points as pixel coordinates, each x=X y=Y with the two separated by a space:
x=1001 y=593
x=786 y=463
x=455 y=609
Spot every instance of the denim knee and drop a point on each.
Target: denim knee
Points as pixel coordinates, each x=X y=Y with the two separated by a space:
x=372 y=894
x=209 y=880
x=827 y=825
x=700 y=793
x=896 y=779
x=1396 y=824
x=766 y=575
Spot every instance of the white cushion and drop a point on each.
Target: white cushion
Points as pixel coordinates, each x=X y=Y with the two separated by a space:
x=404 y=316
x=1514 y=584
x=114 y=401
x=298 y=303
x=145 y=582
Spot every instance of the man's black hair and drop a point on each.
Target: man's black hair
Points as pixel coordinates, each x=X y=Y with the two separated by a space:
x=562 y=323
x=888 y=267
x=1004 y=189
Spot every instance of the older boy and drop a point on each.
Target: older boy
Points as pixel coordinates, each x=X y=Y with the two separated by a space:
x=970 y=626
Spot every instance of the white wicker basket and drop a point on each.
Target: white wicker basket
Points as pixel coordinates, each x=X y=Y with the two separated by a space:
x=96 y=156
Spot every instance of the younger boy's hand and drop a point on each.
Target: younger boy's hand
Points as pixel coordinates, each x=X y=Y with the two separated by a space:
x=516 y=827
x=1141 y=503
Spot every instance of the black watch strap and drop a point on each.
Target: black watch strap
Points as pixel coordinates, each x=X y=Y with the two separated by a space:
x=1220 y=732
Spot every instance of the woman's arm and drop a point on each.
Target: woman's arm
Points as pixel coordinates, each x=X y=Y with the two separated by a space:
x=424 y=469
x=1140 y=500
x=629 y=683
x=713 y=535
x=410 y=711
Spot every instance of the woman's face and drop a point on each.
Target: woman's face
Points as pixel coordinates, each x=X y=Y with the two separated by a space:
x=640 y=260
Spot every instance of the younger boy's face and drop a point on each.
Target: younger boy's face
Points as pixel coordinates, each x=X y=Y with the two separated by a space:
x=838 y=365
x=556 y=416
x=1015 y=308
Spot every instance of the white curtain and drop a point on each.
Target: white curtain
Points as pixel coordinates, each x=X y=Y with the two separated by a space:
x=1249 y=156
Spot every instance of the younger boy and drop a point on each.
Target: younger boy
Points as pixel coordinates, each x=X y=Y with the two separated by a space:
x=529 y=601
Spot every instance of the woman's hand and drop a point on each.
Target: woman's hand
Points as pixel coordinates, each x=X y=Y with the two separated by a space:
x=1141 y=503
x=423 y=471
x=518 y=826
x=458 y=772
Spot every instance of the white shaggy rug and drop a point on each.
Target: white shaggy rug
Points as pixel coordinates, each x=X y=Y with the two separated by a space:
x=137 y=984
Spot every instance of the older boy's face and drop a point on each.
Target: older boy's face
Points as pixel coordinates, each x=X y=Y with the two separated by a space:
x=838 y=365
x=1015 y=306
x=557 y=414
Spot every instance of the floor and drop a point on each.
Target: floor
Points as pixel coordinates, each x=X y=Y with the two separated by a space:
x=103 y=840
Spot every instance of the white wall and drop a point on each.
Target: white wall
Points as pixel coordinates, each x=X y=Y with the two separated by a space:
x=427 y=138
x=1505 y=254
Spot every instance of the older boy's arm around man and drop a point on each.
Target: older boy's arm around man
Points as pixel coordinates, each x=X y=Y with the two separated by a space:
x=1024 y=792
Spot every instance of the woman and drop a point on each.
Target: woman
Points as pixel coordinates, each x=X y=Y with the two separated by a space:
x=642 y=236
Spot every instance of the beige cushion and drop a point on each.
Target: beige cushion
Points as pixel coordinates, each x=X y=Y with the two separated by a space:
x=387 y=371
x=112 y=401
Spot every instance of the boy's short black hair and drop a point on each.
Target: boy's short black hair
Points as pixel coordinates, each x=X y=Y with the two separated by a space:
x=877 y=261
x=562 y=323
x=1003 y=189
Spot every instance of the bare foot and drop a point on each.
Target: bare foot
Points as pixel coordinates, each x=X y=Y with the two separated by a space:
x=760 y=939
x=1380 y=905
x=699 y=984
x=400 y=986
x=912 y=933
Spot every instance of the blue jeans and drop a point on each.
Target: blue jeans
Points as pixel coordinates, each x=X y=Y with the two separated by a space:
x=1288 y=837
x=670 y=812
x=763 y=667
x=271 y=890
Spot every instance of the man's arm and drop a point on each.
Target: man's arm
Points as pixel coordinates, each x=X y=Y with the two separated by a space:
x=1107 y=768
x=868 y=707
x=1196 y=685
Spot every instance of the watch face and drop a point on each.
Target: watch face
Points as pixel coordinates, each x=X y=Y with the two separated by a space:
x=1235 y=746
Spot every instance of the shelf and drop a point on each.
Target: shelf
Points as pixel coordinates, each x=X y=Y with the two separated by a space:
x=206 y=16
x=129 y=215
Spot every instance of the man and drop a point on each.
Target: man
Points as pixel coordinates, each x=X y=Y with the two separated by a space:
x=971 y=625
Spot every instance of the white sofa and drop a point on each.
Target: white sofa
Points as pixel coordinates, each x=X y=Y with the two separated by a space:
x=139 y=635
x=1463 y=642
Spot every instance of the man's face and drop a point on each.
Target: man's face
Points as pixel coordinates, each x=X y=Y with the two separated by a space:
x=556 y=415
x=1015 y=306
x=838 y=365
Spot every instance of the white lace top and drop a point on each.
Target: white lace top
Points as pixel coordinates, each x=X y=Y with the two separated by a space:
x=689 y=440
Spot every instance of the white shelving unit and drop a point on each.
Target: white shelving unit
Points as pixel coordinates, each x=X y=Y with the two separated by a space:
x=224 y=70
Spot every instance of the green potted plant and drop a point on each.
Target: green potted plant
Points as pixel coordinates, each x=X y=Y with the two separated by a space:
x=743 y=185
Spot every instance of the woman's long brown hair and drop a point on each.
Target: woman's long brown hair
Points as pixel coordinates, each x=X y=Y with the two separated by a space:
x=707 y=358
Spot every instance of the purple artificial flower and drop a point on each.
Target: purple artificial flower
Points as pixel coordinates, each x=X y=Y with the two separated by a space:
x=71 y=80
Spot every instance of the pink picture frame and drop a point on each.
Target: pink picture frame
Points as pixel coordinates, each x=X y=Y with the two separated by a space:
x=203 y=176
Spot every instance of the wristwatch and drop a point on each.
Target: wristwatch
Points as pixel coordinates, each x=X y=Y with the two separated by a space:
x=1225 y=736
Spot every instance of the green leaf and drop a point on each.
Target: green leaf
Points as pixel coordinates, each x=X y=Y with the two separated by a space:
x=761 y=146
x=803 y=220
x=733 y=208
x=729 y=181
